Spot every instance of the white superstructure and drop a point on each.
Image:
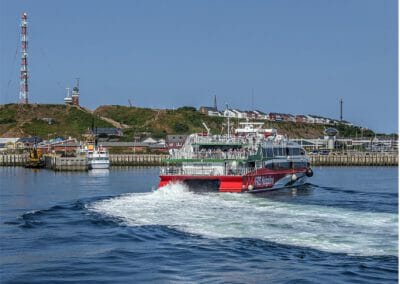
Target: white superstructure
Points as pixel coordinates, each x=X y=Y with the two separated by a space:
x=98 y=158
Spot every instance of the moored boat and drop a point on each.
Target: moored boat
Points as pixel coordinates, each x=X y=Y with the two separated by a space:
x=97 y=157
x=252 y=160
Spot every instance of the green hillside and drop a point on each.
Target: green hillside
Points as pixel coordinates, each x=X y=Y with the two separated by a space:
x=25 y=120
x=186 y=120
x=160 y=122
x=46 y=120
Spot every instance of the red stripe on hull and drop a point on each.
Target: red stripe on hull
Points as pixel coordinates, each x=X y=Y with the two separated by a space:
x=227 y=183
x=231 y=184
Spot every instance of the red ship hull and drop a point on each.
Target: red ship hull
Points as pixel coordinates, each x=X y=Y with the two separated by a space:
x=256 y=181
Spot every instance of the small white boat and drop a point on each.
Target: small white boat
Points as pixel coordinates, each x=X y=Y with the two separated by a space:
x=97 y=158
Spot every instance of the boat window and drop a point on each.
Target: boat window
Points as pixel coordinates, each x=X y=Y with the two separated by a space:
x=268 y=152
x=269 y=166
x=299 y=165
x=279 y=151
x=294 y=151
x=282 y=165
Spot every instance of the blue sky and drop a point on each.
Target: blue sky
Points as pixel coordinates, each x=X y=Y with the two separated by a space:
x=300 y=57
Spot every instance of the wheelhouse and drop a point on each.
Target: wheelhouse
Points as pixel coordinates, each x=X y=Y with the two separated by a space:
x=283 y=156
x=273 y=151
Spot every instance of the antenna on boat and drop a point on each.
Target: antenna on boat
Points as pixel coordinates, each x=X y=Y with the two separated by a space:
x=206 y=127
x=229 y=127
x=252 y=99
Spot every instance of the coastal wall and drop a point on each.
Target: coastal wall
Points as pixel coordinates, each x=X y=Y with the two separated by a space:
x=12 y=160
x=78 y=164
x=58 y=163
x=137 y=160
x=355 y=160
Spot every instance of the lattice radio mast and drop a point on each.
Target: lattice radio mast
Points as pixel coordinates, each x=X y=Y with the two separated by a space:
x=23 y=93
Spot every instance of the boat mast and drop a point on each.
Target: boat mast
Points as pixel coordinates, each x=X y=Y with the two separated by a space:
x=229 y=126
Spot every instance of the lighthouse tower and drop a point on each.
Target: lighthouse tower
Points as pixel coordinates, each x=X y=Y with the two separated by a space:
x=23 y=93
x=75 y=94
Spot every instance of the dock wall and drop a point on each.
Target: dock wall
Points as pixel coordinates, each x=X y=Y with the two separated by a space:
x=137 y=160
x=58 y=163
x=78 y=164
x=355 y=160
x=12 y=160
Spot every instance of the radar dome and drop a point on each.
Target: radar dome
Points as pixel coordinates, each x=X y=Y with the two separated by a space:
x=331 y=131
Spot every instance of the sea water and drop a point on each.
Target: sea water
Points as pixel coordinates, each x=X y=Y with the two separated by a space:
x=113 y=226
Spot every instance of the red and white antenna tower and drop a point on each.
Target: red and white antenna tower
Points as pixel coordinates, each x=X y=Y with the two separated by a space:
x=23 y=93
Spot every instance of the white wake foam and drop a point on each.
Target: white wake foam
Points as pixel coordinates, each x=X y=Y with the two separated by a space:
x=245 y=216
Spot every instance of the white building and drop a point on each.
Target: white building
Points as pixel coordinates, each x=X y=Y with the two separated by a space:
x=229 y=113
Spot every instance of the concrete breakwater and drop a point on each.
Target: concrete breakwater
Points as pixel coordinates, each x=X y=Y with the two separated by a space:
x=58 y=163
x=12 y=160
x=355 y=160
x=80 y=164
x=137 y=160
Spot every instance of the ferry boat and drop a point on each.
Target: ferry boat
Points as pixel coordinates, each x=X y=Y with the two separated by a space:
x=252 y=159
x=97 y=157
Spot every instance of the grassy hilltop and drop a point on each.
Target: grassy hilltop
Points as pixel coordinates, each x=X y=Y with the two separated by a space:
x=24 y=120
x=160 y=122
x=186 y=120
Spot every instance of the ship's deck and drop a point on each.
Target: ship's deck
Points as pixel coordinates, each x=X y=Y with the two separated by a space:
x=206 y=171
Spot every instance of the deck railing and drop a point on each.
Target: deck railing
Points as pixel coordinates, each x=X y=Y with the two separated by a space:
x=206 y=171
x=216 y=155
